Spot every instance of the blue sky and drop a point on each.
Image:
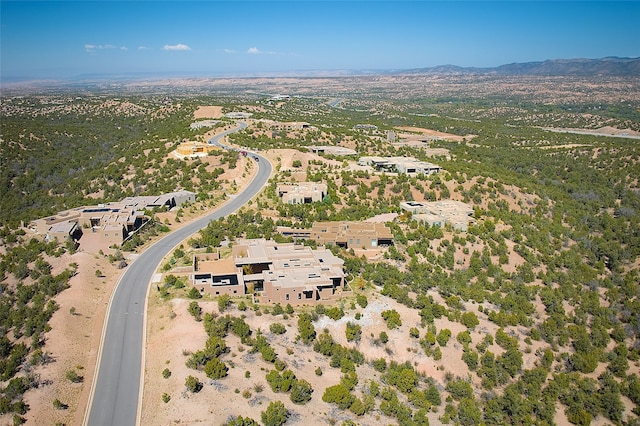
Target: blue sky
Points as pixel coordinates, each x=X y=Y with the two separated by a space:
x=50 y=39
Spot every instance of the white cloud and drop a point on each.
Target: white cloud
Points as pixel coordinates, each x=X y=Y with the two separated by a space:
x=176 y=47
x=143 y=48
x=256 y=51
x=92 y=48
x=228 y=51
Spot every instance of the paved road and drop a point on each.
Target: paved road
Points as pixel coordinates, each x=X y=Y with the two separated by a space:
x=114 y=397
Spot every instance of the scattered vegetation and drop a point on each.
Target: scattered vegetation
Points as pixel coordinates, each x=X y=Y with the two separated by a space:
x=544 y=283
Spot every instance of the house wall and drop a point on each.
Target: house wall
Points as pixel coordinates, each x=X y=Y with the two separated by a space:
x=112 y=236
x=295 y=296
x=219 y=290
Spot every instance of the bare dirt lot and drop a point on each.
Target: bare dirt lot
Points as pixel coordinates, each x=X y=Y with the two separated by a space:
x=434 y=133
x=210 y=111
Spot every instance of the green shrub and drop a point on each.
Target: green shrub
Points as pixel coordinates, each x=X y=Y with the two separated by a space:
x=392 y=318
x=59 y=405
x=74 y=377
x=443 y=337
x=276 y=414
x=215 y=369
x=277 y=328
x=353 y=332
x=194 y=293
x=193 y=384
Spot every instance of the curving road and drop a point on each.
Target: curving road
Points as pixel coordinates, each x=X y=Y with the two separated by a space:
x=115 y=397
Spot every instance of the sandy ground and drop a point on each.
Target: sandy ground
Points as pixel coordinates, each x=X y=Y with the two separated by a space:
x=210 y=111
x=435 y=133
x=236 y=394
x=205 y=407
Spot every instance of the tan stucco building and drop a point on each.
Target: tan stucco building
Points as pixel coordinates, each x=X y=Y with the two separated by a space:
x=273 y=273
x=368 y=235
x=332 y=150
x=112 y=222
x=302 y=192
x=407 y=165
x=438 y=213
x=195 y=149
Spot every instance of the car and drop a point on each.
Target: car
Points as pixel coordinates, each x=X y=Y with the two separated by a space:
x=256 y=158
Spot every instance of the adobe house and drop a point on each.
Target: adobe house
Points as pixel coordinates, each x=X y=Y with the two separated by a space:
x=407 y=165
x=438 y=213
x=332 y=150
x=111 y=222
x=368 y=235
x=215 y=276
x=302 y=192
x=63 y=230
x=273 y=273
x=195 y=149
x=288 y=126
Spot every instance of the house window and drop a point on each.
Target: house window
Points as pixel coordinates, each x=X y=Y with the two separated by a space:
x=299 y=296
x=287 y=296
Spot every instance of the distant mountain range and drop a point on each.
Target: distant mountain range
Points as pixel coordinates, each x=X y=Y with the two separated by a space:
x=605 y=67
x=610 y=66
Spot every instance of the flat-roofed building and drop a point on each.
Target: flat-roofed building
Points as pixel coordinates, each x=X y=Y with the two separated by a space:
x=295 y=233
x=365 y=127
x=149 y=202
x=217 y=276
x=345 y=234
x=63 y=230
x=288 y=126
x=407 y=165
x=203 y=123
x=302 y=192
x=437 y=213
x=238 y=115
x=195 y=149
x=273 y=273
x=43 y=225
x=430 y=219
x=332 y=150
x=113 y=222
